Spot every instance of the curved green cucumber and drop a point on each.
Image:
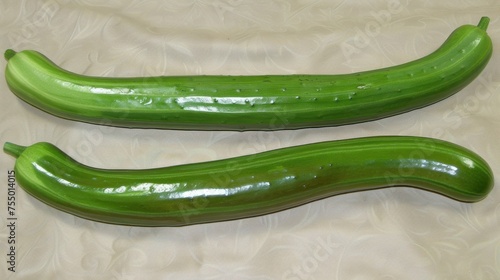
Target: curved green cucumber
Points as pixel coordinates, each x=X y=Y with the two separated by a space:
x=251 y=102
x=248 y=185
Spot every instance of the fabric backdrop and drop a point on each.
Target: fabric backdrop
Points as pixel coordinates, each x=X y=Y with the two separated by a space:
x=394 y=233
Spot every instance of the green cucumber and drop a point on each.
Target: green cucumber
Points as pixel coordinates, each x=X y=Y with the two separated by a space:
x=251 y=102
x=250 y=185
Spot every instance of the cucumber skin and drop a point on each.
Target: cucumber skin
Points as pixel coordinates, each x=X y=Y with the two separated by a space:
x=250 y=185
x=251 y=102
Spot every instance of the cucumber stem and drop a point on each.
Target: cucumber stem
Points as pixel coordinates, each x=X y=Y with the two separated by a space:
x=483 y=23
x=9 y=53
x=13 y=149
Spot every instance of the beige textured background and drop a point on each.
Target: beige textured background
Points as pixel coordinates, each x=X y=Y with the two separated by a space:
x=397 y=233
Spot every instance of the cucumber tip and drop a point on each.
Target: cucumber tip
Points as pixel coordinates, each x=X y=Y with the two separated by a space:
x=9 y=53
x=13 y=149
x=483 y=23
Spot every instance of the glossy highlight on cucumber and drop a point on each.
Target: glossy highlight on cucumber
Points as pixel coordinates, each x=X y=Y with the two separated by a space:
x=268 y=102
x=249 y=185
